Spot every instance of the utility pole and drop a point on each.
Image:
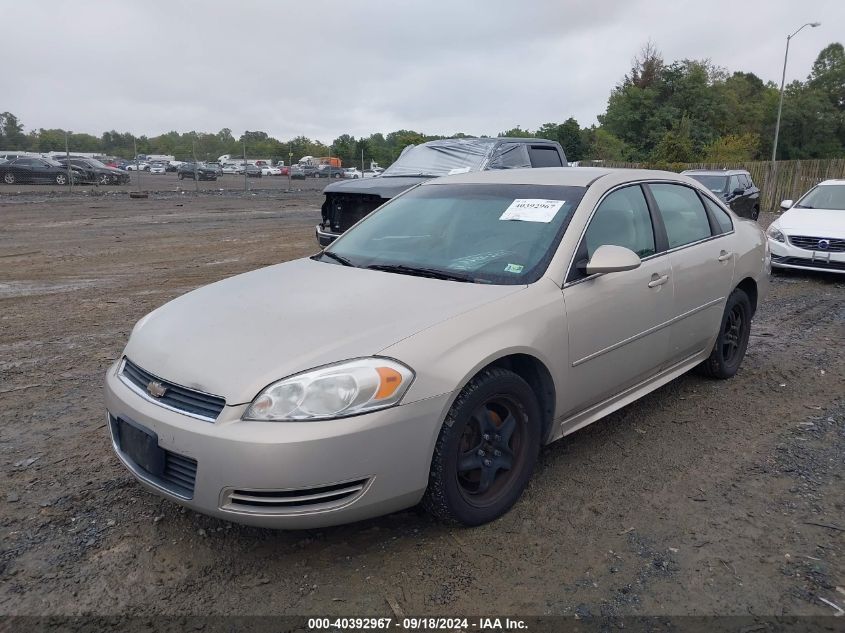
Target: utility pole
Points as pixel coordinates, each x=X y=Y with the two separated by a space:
x=67 y=156
x=290 y=164
x=137 y=168
x=246 y=182
x=196 y=167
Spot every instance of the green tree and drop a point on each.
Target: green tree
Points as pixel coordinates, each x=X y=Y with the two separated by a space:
x=733 y=148
x=676 y=146
x=11 y=132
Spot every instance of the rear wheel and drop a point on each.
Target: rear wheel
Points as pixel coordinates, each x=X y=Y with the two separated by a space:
x=9 y=178
x=486 y=450
x=755 y=213
x=181 y=176
x=105 y=179
x=730 y=346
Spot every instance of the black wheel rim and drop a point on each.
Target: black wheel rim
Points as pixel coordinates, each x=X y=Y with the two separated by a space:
x=491 y=450
x=732 y=335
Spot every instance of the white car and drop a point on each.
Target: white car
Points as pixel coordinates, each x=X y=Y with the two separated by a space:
x=268 y=170
x=811 y=234
x=139 y=166
x=233 y=169
x=352 y=172
x=158 y=169
x=372 y=173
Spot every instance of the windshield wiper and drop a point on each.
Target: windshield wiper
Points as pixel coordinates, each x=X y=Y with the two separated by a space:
x=804 y=206
x=340 y=259
x=432 y=273
x=418 y=175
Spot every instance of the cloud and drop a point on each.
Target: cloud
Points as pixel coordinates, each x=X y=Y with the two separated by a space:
x=324 y=67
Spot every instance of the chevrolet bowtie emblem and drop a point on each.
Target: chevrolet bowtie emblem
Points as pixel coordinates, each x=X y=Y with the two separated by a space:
x=156 y=389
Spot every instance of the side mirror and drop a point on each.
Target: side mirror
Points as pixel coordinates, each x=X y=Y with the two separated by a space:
x=612 y=259
x=786 y=204
x=738 y=191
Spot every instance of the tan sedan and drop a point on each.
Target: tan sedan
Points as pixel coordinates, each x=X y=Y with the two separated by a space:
x=429 y=353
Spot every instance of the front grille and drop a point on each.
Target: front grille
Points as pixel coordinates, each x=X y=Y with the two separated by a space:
x=178 y=476
x=812 y=243
x=341 y=210
x=180 y=473
x=190 y=401
x=289 y=501
x=809 y=263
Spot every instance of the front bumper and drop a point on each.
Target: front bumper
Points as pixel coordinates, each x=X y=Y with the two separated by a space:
x=787 y=255
x=382 y=458
x=325 y=237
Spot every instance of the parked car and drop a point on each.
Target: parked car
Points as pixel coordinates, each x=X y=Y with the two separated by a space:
x=139 y=166
x=196 y=171
x=253 y=171
x=269 y=170
x=483 y=315
x=371 y=173
x=284 y=170
x=38 y=170
x=96 y=171
x=158 y=168
x=329 y=171
x=352 y=172
x=811 y=233
x=217 y=167
x=297 y=173
x=233 y=169
x=347 y=202
x=734 y=186
x=308 y=170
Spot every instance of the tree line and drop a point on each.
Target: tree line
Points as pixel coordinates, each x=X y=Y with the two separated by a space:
x=684 y=111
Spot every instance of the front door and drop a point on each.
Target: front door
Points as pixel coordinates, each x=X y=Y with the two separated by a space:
x=618 y=322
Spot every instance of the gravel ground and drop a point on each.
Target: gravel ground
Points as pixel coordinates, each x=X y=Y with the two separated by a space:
x=702 y=498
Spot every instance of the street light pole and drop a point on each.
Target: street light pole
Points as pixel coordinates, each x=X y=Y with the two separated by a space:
x=780 y=102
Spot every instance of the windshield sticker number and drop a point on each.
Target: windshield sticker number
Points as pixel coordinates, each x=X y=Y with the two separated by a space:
x=532 y=210
x=514 y=268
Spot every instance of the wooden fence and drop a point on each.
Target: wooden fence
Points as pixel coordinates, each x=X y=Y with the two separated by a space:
x=791 y=179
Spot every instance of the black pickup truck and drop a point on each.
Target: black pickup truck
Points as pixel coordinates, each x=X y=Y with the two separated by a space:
x=348 y=201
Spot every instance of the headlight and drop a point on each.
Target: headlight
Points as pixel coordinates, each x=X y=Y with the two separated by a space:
x=776 y=235
x=333 y=391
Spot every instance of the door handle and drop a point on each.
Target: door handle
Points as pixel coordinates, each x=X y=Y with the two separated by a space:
x=725 y=256
x=657 y=280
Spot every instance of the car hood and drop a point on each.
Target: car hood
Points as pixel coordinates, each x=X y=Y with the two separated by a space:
x=386 y=187
x=814 y=222
x=234 y=337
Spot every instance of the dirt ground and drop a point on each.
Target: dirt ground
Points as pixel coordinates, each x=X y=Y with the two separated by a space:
x=703 y=498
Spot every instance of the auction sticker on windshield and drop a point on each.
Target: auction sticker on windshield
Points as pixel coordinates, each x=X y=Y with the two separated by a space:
x=532 y=210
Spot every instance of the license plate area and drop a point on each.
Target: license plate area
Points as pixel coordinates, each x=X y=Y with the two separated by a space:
x=141 y=446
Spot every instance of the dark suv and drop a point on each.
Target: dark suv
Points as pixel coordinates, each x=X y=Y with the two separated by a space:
x=734 y=186
x=348 y=201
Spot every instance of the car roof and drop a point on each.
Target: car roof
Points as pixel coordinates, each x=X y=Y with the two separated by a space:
x=832 y=181
x=563 y=176
x=714 y=172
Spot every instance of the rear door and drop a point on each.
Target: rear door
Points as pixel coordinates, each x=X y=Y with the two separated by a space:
x=618 y=322
x=702 y=266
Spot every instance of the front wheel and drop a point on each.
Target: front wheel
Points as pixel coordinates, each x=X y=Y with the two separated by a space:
x=61 y=179
x=730 y=346
x=105 y=179
x=486 y=450
x=181 y=176
x=755 y=213
x=9 y=178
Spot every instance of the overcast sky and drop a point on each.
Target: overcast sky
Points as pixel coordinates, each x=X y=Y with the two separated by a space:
x=321 y=68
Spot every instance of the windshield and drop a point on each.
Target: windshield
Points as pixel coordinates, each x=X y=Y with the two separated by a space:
x=441 y=158
x=824 y=197
x=499 y=234
x=716 y=184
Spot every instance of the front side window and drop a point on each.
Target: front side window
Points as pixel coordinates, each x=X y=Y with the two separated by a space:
x=622 y=219
x=734 y=184
x=682 y=212
x=510 y=156
x=484 y=233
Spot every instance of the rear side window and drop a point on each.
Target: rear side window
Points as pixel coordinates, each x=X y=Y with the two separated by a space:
x=622 y=219
x=544 y=156
x=744 y=181
x=722 y=218
x=748 y=179
x=682 y=212
x=510 y=156
x=733 y=183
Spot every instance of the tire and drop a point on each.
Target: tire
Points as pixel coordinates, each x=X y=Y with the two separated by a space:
x=755 y=213
x=60 y=179
x=105 y=179
x=476 y=473
x=730 y=346
x=181 y=176
x=9 y=178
